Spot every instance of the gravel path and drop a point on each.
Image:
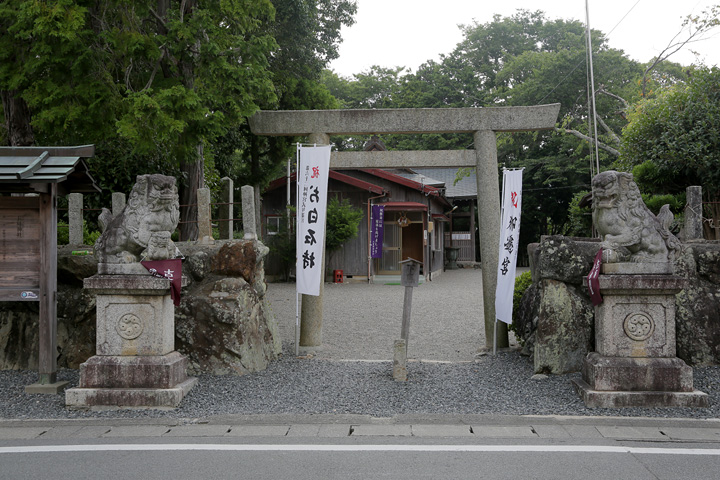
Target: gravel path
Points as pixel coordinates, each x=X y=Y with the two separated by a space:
x=361 y=322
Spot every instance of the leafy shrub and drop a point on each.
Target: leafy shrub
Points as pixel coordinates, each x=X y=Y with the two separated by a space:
x=522 y=283
x=343 y=221
x=63 y=234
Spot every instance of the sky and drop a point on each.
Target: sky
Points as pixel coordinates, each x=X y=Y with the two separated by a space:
x=407 y=33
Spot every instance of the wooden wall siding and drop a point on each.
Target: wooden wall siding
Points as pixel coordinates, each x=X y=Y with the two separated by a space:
x=352 y=257
x=20 y=234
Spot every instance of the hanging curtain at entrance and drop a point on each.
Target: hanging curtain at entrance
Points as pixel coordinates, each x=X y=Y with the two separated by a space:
x=509 y=243
x=312 y=181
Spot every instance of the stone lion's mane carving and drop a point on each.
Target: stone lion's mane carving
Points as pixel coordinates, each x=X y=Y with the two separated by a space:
x=153 y=207
x=628 y=229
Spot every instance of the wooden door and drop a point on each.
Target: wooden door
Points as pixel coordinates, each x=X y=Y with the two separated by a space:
x=412 y=242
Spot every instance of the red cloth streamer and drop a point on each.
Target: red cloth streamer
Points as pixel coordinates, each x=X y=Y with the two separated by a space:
x=170 y=269
x=594 y=280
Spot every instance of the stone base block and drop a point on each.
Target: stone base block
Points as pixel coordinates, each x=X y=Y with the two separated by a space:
x=150 y=371
x=128 y=397
x=637 y=374
x=46 y=388
x=606 y=399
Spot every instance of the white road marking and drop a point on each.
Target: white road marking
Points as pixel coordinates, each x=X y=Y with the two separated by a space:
x=360 y=448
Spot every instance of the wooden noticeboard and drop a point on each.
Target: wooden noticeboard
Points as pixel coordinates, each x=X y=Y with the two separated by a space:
x=20 y=245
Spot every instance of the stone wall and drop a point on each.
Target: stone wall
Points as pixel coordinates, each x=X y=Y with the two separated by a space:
x=556 y=317
x=223 y=323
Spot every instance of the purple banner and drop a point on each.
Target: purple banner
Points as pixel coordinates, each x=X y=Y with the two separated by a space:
x=376 y=230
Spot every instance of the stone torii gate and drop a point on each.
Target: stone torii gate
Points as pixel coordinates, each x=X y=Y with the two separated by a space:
x=483 y=123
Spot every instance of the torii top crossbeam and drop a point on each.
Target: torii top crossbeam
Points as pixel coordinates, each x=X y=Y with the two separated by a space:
x=404 y=120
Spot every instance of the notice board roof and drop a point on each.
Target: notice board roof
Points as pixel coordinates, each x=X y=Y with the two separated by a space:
x=23 y=167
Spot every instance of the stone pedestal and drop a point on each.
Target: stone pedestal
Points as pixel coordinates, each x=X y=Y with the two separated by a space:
x=135 y=365
x=634 y=364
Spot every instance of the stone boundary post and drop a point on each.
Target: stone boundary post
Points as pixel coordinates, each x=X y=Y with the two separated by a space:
x=75 y=217
x=248 y=212
x=225 y=220
x=693 y=214
x=204 y=217
x=118 y=203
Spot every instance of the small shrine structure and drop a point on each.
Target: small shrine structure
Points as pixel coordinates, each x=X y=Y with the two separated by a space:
x=31 y=178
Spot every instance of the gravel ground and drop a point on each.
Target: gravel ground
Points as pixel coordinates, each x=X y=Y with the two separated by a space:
x=352 y=374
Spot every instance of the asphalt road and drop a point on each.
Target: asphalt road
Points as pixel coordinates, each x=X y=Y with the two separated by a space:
x=301 y=460
x=358 y=447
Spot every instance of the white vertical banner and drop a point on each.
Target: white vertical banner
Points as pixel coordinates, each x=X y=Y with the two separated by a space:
x=509 y=243
x=312 y=180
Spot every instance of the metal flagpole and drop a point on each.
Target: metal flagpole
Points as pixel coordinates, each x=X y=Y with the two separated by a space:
x=592 y=86
x=297 y=295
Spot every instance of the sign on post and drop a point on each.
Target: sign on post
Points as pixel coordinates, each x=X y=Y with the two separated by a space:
x=20 y=231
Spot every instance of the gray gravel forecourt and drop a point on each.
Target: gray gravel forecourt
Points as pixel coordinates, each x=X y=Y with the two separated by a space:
x=352 y=374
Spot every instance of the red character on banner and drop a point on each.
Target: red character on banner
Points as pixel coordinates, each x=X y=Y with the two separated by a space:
x=316 y=172
x=514 y=199
x=170 y=269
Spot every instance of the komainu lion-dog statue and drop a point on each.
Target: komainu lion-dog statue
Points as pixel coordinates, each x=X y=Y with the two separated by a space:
x=628 y=229
x=151 y=214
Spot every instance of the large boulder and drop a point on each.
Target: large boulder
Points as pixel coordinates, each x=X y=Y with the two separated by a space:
x=564 y=334
x=19 y=330
x=223 y=324
x=564 y=259
x=697 y=306
x=556 y=316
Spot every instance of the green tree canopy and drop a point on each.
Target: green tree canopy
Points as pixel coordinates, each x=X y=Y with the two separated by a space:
x=673 y=140
x=163 y=86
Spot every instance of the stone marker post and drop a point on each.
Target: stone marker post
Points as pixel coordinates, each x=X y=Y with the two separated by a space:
x=693 y=214
x=248 y=209
x=204 y=217
x=311 y=316
x=118 y=203
x=400 y=361
x=75 y=217
x=226 y=210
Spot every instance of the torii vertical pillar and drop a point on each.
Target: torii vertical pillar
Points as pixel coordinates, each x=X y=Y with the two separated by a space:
x=311 y=315
x=488 y=199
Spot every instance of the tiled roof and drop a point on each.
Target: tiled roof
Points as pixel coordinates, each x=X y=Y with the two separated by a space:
x=465 y=188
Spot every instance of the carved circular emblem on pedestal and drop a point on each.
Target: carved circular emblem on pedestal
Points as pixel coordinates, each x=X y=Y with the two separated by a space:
x=129 y=326
x=639 y=326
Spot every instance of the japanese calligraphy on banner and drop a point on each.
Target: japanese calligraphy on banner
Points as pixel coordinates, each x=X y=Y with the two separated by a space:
x=377 y=228
x=509 y=239
x=170 y=269
x=312 y=181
